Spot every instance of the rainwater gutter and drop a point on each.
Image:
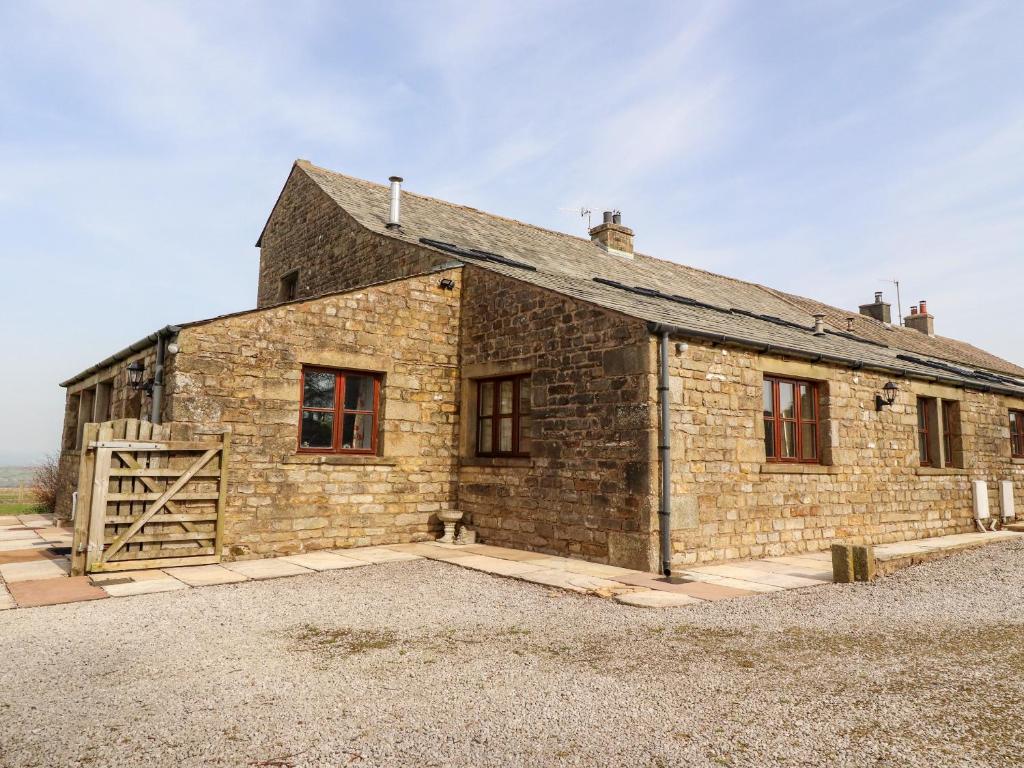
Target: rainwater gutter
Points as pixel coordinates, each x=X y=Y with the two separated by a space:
x=131 y=349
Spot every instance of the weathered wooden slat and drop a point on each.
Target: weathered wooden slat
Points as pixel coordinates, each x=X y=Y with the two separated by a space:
x=157 y=505
x=166 y=537
x=190 y=517
x=98 y=505
x=160 y=472
x=225 y=451
x=130 y=462
x=151 y=496
x=166 y=562
x=162 y=553
x=86 y=471
x=167 y=445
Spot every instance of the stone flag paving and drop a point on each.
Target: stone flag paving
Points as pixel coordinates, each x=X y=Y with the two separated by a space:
x=34 y=573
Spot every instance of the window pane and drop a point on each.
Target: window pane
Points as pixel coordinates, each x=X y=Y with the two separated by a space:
x=769 y=439
x=922 y=413
x=317 y=429
x=922 y=446
x=486 y=397
x=318 y=391
x=358 y=393
x=789 y=440
x=786 y=402
x=505 y=435
x=505 y=396
x=484 y=441
x=807 y=402
x=809 y=436
x=768 y=399
x=357 y=431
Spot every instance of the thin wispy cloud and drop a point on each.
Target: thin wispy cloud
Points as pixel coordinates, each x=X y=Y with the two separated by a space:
x=812 y=146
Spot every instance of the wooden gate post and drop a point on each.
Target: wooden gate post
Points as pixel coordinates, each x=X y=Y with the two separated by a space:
x=86 y=469
x=98 y=505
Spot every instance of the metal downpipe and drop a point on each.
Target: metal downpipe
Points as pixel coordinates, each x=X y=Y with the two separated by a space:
x=665 y=458
x=157 y=396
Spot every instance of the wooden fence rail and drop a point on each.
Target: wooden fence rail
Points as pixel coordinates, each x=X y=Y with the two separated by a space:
x=146 y=501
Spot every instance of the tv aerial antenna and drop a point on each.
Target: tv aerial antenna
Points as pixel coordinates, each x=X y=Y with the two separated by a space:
x=899 y=304
x=582 y=211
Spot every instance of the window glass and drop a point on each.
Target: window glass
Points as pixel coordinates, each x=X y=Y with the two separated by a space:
x=356 y=431
x=506 y=396
x=486 y=397
x=788 y=440
x=358 y=393
x=806 y=402
x=318 y=390
x=486 y=437
x=503 y=416
x=317 y=429
x=339 y=411
x=809 y=440
x=791 y=428
x=505 y=435
x=787 y=405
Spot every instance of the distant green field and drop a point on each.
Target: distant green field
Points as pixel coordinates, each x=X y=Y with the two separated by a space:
x=18 y=509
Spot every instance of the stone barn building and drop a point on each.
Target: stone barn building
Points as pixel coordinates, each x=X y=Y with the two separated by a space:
x=404 y=360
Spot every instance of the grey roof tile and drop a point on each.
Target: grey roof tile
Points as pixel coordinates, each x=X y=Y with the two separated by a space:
x=569 y=264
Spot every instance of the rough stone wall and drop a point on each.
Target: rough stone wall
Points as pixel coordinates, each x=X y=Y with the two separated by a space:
x=124 y=403
x=585 y=489
x=243 y=373
x=307 y=231
x=728 y=503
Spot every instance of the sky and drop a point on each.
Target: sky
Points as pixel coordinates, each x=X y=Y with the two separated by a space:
x=817 y=146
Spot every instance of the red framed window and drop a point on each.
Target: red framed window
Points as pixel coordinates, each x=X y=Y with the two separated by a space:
x=339 y=411
x=1017 y=434
x=791 y=431
x=503 y=407
x=925 y=420
x=950 y=421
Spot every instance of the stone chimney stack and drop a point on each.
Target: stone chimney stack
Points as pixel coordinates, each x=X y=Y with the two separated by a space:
x=880 y=310
x=920 y=320
x=612 y=236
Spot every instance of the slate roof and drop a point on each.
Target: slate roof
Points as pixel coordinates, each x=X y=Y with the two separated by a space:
x=692 y=300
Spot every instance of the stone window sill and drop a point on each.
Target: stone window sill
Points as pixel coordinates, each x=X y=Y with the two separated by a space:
x=940 y=471
x=484 y=461
x=338 y=460
x=771 y=468
x=1017 y=461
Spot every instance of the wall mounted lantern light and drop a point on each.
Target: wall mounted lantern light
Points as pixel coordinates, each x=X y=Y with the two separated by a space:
x=888 y=396
x=135 y=373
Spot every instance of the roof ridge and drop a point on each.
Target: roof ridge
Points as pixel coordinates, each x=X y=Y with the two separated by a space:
x=450 y=204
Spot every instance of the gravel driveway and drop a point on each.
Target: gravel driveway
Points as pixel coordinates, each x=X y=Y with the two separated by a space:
x=426 y=664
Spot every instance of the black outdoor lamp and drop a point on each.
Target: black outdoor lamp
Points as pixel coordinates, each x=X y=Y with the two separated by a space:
x=135 y=373
x=888 y=396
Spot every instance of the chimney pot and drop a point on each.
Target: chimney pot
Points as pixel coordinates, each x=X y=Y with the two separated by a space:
x=394 y=212
x=920 y=320
x=819 y=325
x=612 y=236
x=879 y=310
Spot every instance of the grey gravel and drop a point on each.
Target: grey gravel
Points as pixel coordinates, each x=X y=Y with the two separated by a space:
x=426 y=664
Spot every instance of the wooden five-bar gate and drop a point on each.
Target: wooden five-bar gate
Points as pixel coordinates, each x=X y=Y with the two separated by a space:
x=147 y=501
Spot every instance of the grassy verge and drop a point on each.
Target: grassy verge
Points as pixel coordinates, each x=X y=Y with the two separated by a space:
x=18 y=509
